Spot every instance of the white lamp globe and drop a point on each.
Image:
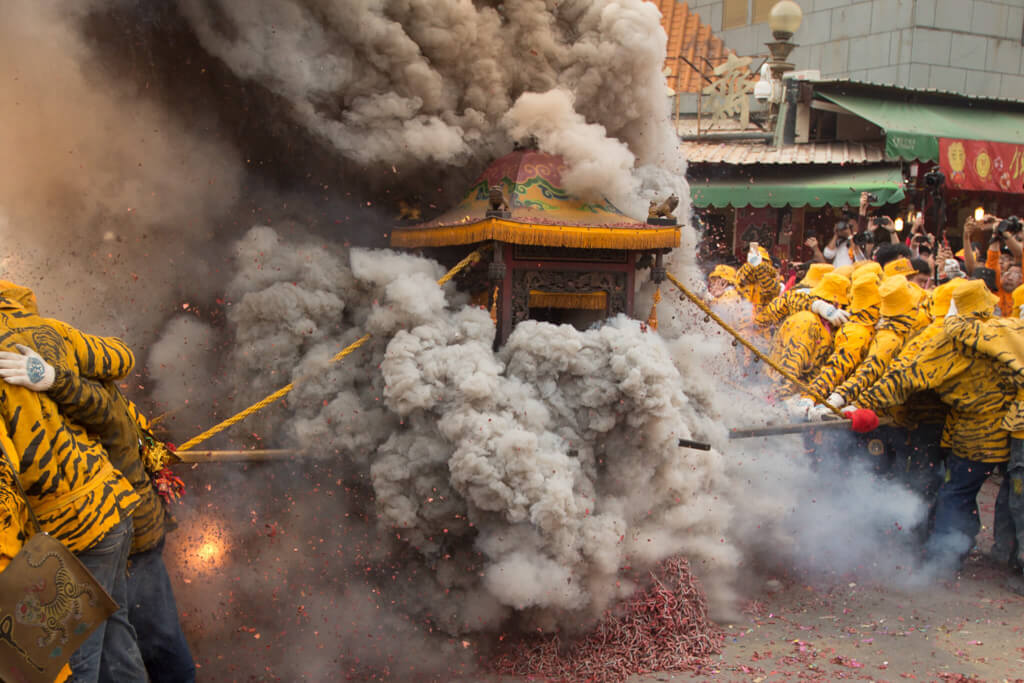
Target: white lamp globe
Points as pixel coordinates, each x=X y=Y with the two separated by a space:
x=785 y=17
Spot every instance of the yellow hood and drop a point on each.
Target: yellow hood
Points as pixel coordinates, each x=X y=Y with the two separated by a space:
x=21 y=296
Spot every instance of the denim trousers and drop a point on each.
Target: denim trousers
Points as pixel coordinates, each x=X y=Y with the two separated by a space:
x=111 y=652
x=1008 y=527
x=956 y=511
x=154 y=614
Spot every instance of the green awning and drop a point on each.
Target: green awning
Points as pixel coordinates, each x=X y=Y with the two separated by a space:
x=912 y=129
x=778 y=187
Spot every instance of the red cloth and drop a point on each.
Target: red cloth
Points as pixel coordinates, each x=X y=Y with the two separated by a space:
x=863 y=420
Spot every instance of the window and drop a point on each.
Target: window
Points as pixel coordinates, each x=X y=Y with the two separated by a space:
x=734 y=13
x=762 y=8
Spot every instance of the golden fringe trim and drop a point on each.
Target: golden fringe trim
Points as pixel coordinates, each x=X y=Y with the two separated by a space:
x=589 y=301
x=576 y=237
x=652 y=319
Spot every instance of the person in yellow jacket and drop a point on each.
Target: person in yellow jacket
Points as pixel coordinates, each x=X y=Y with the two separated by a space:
x=891 y=331
x=804 y=340
x=79 y=497
x=757 y=279
x=1002 y=339
x=832 y=289
x=123 y=431
x=978 y=395
x=722 y=285
x=851 y=342
x=912 y=444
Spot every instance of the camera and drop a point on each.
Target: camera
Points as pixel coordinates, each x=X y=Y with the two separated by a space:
x=872 y=197
x=862 y=239
x=1010 y=225
x=934 y=179
x=881 y=220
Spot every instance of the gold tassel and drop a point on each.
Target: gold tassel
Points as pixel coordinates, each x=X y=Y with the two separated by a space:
x=652 y=319
x=494 y=306
x=573 y=236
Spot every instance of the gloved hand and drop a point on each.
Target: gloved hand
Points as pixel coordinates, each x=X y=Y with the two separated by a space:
x=820 y=412
x=27 y=369
x=835 y=400
x=849 y=410
x=836 y=316
x=754 y=255
x=952 y=312
x=799 y=408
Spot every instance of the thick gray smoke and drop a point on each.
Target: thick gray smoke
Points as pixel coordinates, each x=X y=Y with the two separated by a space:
x=425 y=82
x=105 y=200
x=536 y=480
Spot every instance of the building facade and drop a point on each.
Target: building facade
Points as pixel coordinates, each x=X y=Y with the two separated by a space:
x=974 y=47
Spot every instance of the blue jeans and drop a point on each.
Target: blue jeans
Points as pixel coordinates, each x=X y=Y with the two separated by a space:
x=154 y=614
x=111 y=652
x=1009 y=522
x=956 y=511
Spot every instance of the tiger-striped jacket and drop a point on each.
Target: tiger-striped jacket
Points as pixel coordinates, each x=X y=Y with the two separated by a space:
x=759 y=284
x=1002 y=340
x=977 y=393
x=890 y=334
x=781 y=307
x=13 y=513
x=73 y=489
x=851 y=341
x=801 y=345
x=922 y=408
x=106 y=412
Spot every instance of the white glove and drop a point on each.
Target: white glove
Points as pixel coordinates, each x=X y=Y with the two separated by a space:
x=27 y=369
x=754 y=256
x=835 y=400
x=819 y=412
x=799 y=408
x=951 y=313
x=847 y=411
x=836 y=316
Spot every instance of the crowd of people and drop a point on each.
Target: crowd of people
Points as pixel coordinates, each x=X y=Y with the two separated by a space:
x=931 y=341
x=89 y=468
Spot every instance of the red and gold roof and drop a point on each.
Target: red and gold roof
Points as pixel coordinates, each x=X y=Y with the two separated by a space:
x=542 y=213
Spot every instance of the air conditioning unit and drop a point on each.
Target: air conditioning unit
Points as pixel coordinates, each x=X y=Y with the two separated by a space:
x=805 y=75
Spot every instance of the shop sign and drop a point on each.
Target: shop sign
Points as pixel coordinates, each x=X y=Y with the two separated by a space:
x=981 y=165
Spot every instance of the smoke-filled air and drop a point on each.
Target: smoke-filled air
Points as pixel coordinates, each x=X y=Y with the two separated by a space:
x=215 y=182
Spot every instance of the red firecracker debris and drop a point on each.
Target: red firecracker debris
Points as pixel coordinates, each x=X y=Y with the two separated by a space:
x=664 y=628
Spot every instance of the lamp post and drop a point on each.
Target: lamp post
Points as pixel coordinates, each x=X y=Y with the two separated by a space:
x=783 y=20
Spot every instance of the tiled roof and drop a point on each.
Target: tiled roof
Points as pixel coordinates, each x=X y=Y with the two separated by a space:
x=692 y=39
x=742 y=153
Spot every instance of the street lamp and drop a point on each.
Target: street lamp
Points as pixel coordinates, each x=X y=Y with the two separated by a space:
x=784 y=19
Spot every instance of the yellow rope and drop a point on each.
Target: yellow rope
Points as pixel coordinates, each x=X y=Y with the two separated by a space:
x=260 y=405
x=736 y=335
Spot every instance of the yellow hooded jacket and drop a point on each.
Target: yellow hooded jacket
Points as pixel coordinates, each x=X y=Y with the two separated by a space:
x=760 y=283
x=73 y=489
x=976 y=392
x=801 y=345
x=121 y=428
x=1002 y=340
x=781 y=307
x=851 y=342
x=890 y=334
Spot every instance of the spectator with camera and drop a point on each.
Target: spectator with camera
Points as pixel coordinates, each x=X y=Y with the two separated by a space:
x=1003 y=259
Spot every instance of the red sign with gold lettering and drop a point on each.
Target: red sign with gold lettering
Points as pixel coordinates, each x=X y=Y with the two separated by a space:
x=981 y=165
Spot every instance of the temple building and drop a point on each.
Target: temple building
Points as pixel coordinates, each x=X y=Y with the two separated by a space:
x=555 y=257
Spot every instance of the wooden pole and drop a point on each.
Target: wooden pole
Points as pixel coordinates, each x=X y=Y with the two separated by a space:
x=237 y=456
x=773 y=430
